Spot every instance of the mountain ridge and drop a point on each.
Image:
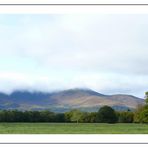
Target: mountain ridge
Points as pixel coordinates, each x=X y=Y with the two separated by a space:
x=60 y=101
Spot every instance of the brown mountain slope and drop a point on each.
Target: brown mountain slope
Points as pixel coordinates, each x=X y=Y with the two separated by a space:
x=89 y=98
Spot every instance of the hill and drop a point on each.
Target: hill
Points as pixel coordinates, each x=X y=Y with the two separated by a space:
x=83 y=99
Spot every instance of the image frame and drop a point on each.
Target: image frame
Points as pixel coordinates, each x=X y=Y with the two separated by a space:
x=19 y=4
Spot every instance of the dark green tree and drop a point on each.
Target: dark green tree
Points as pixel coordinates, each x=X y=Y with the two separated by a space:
x=106 y=115
x=59 y=117
x=47 y=116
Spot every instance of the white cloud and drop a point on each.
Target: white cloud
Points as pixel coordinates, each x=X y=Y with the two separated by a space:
x=104 y=52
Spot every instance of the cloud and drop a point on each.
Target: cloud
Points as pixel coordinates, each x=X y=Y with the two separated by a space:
x=104 y=52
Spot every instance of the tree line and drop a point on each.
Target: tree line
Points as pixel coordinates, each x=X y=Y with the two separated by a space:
x=105 y=114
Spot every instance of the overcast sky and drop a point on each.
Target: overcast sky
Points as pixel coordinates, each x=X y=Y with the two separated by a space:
x=106 y=53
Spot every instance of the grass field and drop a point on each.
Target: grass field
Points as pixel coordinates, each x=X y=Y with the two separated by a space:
x=72 y=128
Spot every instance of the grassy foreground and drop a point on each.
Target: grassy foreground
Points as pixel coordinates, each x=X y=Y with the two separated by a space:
x=72 y=128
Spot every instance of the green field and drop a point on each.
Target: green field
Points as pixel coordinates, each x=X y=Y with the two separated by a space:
x=72 y=128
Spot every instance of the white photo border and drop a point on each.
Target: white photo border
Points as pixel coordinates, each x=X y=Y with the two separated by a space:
x=73 y=2
x=73 y=138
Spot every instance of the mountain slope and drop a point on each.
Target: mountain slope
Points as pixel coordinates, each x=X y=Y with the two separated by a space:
x=66 y=100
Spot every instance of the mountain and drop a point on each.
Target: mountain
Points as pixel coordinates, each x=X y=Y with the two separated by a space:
x=83 y=99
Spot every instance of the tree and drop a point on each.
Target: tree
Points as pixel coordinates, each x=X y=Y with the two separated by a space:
x=137 y=113
x=146 y=97
x=68 y=116
x=60 y=117
x=141 y=115
x=84 y=117
x=89 y=117
x=92 y=117
x=47 y=116
x=125 y=117
x=106 y=115
x=76 y=115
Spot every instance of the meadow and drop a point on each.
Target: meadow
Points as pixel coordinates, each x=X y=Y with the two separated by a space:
x=73 y=128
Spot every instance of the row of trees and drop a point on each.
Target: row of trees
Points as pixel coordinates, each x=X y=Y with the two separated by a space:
x=105 y=115
x=30 y=116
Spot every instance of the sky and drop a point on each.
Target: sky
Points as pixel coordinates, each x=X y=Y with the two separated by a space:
x=107 y=53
